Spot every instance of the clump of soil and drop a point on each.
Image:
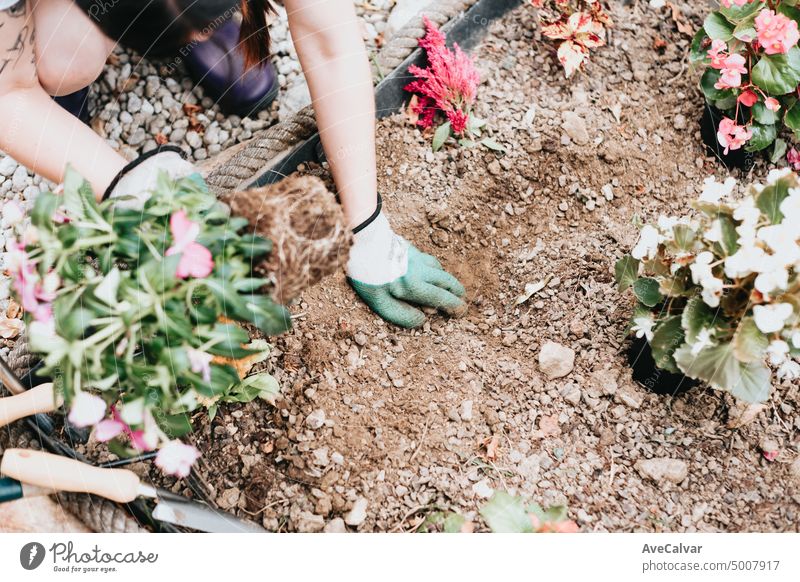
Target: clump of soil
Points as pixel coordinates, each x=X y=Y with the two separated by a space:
x=414 y=422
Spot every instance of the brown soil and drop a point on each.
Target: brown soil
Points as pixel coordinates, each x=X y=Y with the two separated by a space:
x=397 y=431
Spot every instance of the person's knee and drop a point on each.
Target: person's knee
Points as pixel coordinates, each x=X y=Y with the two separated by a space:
x=62 y=72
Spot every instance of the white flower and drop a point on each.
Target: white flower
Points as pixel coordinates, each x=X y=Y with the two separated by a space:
x=772 y=280
x=132 y=413
x=771 y=318
x=643 y=326
x=713 y=191
x=789 y=369
x=746 y=211
x=703 y=341
x=200 y=363
x=783 y=242
x=712 y=291
x=777 y=174
x=665 y=224
x=647 y=245
x=176 y=458
x=714 y=233
x=12 y=214
x=701 y=268
x=86 y=410
x=777 y=352
x=790 y=207
x=796 y=339
x=748 y=259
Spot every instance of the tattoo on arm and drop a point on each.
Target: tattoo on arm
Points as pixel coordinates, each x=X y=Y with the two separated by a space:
x=10 y=55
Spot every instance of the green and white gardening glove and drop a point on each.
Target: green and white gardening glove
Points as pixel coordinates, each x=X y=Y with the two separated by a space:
x=390 y=274
x=136 y=180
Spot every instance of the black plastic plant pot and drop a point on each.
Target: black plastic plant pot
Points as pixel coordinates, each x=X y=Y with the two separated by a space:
x=709 y=123
x=653 y=378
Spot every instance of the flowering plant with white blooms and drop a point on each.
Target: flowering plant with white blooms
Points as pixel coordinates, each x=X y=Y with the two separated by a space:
x=134 y=311
x=718 y=294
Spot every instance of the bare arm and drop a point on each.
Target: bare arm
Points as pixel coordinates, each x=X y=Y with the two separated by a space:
x=327 y=37
x=34 y=130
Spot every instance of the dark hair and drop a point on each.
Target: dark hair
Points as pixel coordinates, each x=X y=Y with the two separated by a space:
x=163 y=27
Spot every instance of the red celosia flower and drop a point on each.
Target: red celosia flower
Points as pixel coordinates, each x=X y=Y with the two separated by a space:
x=448 y=84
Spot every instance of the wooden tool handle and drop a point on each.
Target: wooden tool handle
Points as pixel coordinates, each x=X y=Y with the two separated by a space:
x=38 y=399
x=63 y=474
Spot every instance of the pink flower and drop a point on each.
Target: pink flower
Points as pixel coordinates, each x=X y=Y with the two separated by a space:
x=196 y=260
x=449 y=83
x=776 y=32
x=109 y=428
x=770 y=455
x=727 y=3
x=717 y=53
x=200 y=363
x=34 y=296
x=732 y=70
x=732 y=136
x=772 y=104
x=748 y=98
x=177 y=458
x=793 y=159
x=580 y=32
x=86 y=410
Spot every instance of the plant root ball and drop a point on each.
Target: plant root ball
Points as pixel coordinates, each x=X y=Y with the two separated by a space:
x=306 y=226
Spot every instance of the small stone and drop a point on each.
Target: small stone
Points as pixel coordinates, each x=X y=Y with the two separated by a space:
x=604 y=381
x=229 y=498
x=194 y=140
x=571 y=393
x=555 y=360
x=575 y=127
x=335 y=525
x=663 y=469
x=320 y=457
x=7 y=166
x=679 y=122
x=466 y=410
x=794 y=470
x=360 y=338
x=134 y=103
x=307 y=522
x=20 y=178
x=316 y=419
x=358 y=513
x=629 y=396
x=483 y=489
x=494 y=168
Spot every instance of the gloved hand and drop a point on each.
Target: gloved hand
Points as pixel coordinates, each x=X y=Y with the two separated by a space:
x=389 y=274
x=139 y=178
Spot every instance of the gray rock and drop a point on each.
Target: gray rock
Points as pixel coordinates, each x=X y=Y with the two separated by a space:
x=466 y=411
x=575 y=126
x=320 y=457
x=20 y=179
x=307 y=522
x=679 y=122
x=336 y=525
x=7 y=166
x=194 y=140
x=358 y=513
x=401 y=14
x=295 y=98
x=555 y=360
x=134 y=103
x=663 y=469
x=571 y=393
x=316 y=419
x=229 y=498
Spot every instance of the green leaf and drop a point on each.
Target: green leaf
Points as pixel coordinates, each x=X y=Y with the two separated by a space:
x=718 y=366
x=737 y=14
x=770 y=198
x=707 y=82
x=43 y=210
x=749 y=343
x=106 y=291
x=699 y=50
x=718 y=27
x=763 y=136
x=440 y=136
x=778 y=151
x=667 y=337
x=763 y=115
x=506 y=514
x=175 y=425
x=266 y=386
x=647 y=291
x=626 y=271
x=453 y=523
x=778 y=74
x=492 y=145
x=696 y=315
x=730 y=238
x=792 y=116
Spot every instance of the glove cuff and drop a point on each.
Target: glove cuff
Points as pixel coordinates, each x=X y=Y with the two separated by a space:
x=142 y=158
x=372 y=218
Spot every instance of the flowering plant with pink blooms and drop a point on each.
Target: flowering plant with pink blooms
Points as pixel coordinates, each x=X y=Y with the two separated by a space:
x=749 y=49
x=446 y=88
x=577 y=26
x=135 y=311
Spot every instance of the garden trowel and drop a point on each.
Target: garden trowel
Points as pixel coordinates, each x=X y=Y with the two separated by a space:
x=50 y=473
